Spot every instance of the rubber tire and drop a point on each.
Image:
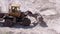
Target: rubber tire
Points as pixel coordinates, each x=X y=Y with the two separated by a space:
x=7 y=23
x=26 y=22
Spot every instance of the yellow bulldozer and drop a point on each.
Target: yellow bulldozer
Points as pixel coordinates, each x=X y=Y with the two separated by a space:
x=15 y=16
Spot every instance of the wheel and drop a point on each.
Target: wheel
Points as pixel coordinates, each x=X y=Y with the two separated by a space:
x=26 y=22
x=7 y=23
x=1 y=15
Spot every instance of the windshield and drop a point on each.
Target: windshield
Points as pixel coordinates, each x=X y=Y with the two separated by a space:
x=14 y=9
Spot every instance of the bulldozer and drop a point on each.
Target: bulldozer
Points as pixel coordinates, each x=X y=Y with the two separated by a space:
x=16 y=16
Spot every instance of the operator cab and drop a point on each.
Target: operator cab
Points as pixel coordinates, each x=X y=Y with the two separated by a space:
x=14 y=7
x=14 y=10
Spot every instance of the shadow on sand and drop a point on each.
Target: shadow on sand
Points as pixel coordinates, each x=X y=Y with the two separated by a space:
x=42 y=24
x=20 y=26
